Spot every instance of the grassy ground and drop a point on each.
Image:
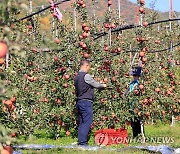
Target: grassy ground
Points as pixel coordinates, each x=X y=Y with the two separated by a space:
x=162 y=134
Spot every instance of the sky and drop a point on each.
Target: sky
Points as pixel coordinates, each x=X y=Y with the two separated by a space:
x=162 y=5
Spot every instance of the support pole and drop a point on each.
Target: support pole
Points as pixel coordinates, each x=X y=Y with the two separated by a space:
x=110 y=39
x=30 y=6
x=53 y=26
x=94 y=14
x=142 y=131
x=119 y=9
x=170 y=9
x=173 y=121
x=170 y=14
x=171 y=45
x=109 y=8
x=75 y=20
x=170 y=27
x=103 y=37
x=7 y=60
x=141 y=121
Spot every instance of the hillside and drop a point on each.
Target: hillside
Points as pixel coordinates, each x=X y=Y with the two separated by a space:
x=129 y=10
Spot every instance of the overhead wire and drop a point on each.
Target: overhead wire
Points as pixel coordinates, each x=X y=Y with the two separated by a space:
x=131 y=26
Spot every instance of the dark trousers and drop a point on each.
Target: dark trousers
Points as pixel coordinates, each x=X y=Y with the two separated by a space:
x=85 y=111
x=136 y=127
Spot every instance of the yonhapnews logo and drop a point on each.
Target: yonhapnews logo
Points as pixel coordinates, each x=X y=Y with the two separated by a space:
x=105 y=139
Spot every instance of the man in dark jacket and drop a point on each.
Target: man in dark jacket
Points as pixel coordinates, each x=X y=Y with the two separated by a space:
x=84 y=85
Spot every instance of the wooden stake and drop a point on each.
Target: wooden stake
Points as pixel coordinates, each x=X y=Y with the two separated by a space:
x=142 y=131
x=173 y=121
x=75 y=20
x=110 y=40
x=119 y=8
x=109 y=29
x=53 y=26
x=30 y=6
x=94 y=14
x=170 y=28
x=103 y=37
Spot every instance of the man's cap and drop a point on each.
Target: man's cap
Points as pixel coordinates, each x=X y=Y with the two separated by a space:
x=136 y=71
x=85 y=60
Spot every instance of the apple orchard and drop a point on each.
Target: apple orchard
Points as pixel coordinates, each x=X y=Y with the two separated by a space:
x=37 y=88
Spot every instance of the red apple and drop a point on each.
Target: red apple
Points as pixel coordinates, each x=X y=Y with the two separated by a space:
x=86 y=55
x=86 y=28
x=142 y=2
x=113 y=26
x=106 y=25
x=80 y=2
x=116 y=72
x=8 y=102
x=88 y=34
x=141 y=86
x=2 y=61
x=7 y=150
x=81 y=43
x=83 y=5
x=55 y=58
x=59 y=122
x=13 y=134
x=84 y=35
x=3 y=49
x=57 y=41
x=157 y=90
x=35 y=111
x=141 y=10
x=106 y=48
x=147 y=114
x=84 y=46
x=12 y=107
x=144 y=59
x=128 y=123
x=114 y=96
x=114 y=79
x=83 y=25
x=141 y=54
x=144 y=49
x=145 y=24
x=58 y=101
x=145 y=101
x=157 y=41
x=163 y=112
x=109 y=2
x=80 y=37
x=113 y=115
x=105 y=80
x=30 y=27
x=170 y=89
x=66 y=76
x=140 y=39
x=65 y=85
x=119 y=49
x=68 y=133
